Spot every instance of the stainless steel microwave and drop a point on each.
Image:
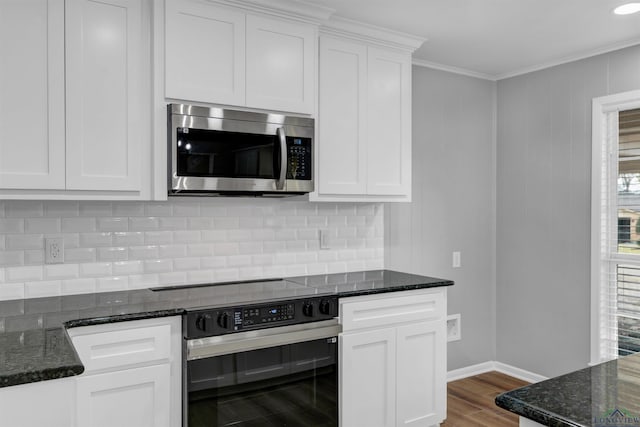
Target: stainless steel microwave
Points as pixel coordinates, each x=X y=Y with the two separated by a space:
x=216 y=151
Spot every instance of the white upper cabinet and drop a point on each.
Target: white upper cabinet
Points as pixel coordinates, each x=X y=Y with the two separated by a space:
x=32 y=152
x=103 y=77
x=280 y=64
x=364 y=114
x=389 y=123
x=205 y=52
x=220 y=54
x=342 y=127
x=74 y=95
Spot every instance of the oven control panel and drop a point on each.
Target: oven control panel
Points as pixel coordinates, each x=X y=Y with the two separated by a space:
x=220 y=321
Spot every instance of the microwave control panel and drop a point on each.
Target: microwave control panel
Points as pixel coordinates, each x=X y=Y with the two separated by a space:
x=299 y=155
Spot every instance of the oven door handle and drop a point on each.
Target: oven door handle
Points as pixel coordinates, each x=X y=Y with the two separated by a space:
x=283 y=158
x=202 y=348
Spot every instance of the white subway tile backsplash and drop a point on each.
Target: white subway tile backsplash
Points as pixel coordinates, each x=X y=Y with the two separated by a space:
x=110 y=284
x=81 y=225
x=121 y=268
x=130 y=245
x=186 y=236
x=78 y=286
x=174 y=278
x=61 y=271
x=158 y=265
x=213 y=262
x=42 y=289
x=188 y=264
x=41 y=225
x=113 y=254
x=128 y=238
x=172 y=251
x=143 y=223
x=95 y=269
x=10 y=291
x=143 y=252
x=186 y=209
x=78 y=255
x=200 y=250
x=36 y=257
x=96 y=209
x=200 y=276
x=158 y=237
x=10 y=258
x=226 y=222
x=128 y=209
x=60 y=209
x=24 y=209
x=113 y=224
x=96 y=239
x=11 y=225
x=158 y=209
x=23 y=274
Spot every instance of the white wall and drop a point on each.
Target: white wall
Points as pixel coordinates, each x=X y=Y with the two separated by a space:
x=453 y=204
x=543 y=204
x=126 y=245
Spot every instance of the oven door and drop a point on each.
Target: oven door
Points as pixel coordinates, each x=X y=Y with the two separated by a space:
x=285 y=376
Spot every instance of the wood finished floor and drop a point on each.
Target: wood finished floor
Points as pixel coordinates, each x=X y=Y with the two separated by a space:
x=470 y=401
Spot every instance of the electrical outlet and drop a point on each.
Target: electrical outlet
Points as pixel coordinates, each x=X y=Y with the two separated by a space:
x=324 y=239
x=457 y=262
x=454 y=329
x=54 y=250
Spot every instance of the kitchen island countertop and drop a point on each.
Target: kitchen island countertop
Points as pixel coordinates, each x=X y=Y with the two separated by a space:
x=607 y=394
x=34 y=344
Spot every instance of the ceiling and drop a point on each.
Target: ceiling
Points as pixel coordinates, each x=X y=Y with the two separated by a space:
x=499 y=38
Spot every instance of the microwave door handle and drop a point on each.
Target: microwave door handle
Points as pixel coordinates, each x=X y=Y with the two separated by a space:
x=283 y=158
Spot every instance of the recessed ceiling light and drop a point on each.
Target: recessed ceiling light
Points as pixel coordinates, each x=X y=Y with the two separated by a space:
x=627 y=9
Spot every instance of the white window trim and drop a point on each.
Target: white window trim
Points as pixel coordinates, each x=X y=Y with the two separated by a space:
x=601 y=107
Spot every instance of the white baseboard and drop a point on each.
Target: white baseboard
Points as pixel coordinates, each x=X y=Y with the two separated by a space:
x=492 y=365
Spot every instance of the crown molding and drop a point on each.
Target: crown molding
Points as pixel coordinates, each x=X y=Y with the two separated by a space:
x=568 y=59
x=343 y=27
x=291 y=9
x=451 y=69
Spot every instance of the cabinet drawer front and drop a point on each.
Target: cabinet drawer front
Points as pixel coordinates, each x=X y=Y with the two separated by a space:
x=391 y=308
x=112 y=349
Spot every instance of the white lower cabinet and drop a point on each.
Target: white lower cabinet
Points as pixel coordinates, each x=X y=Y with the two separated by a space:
x=132 y=374
x=393 y=359
x=138 y=397
x=45 y=403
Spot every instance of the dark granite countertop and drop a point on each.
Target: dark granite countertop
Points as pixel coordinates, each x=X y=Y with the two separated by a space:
x=34 y=345
x=607 y=394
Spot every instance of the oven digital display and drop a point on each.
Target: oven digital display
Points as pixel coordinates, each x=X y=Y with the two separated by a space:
x=269 y=314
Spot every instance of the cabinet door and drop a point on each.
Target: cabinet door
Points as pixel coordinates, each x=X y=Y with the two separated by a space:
x=105 y=62
x=389 y=119
x=280 y=65
x=342 y=117
x=368 y=378
x=135 y=397
x=32 y=94
x=421 y=374
x=205 y=53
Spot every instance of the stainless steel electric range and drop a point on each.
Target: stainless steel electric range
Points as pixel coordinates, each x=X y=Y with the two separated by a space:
x=268 y=363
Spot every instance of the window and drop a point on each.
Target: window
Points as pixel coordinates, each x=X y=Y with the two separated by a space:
x=615 y=233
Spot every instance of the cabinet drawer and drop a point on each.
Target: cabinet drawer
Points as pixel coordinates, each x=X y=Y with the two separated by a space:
x=389 y=308
x=117 y=348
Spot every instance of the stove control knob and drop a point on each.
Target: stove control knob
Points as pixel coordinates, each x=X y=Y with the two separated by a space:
x=325 y=306
x=307 y=309
x=202 y=322
x=223 y=320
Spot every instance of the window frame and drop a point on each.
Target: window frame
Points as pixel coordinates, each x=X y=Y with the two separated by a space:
x=602 y=146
